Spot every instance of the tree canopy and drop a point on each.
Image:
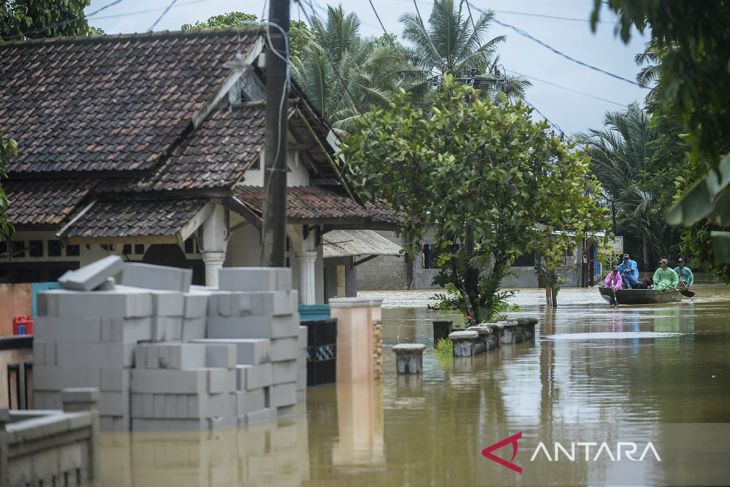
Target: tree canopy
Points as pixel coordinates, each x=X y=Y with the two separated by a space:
x=35 y=19
x=487 y=179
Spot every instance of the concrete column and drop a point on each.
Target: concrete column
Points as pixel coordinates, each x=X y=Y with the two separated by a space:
x=307 y=276
x=214 y=245
x=354 y=339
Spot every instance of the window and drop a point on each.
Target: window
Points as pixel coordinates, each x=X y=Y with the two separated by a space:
x=18 y=249
x=3 y=247
x=189 y=246
x=54 y=248
x=139 y=249
x=35 y=248
x=524 y=260
x=73 y=250
x=127 y=249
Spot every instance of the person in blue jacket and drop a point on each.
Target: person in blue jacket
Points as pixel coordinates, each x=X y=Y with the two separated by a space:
x=629 y=272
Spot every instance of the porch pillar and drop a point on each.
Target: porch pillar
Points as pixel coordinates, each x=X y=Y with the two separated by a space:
x=307 y=276
x=214 y=245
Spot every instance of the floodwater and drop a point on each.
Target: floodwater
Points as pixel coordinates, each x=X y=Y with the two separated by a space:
x=593 y=373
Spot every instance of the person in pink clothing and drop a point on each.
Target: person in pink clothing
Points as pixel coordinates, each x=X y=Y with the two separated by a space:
x=613 y=280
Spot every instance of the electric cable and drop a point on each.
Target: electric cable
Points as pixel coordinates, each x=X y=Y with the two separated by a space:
x=556 y=85
x=152 y=27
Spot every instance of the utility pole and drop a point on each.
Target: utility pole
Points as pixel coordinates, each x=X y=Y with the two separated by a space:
x=273 y=231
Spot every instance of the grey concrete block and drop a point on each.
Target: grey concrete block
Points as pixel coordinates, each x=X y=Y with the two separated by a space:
x=55 y=329
x=177 y=356
x=303 y=336
x=157 y=277
x=169 y=381
x=271 y=303
x=221 y=381
x=93 y=275
x=109 y=285
x=284 y=349
x=285 y=326
x=169 y=425
x=114 y=380
x=123 y=302
x=220 y=355
x=285 y=372
x=249 y=401
x=44 y=353
x=261 y=416
x=227 y=303
x=255 y=278
x=47 y=400
x=283 y=394
x=254 y=376
x=301 y=396
x=253 y=327
x=286 y=411
x=218 y=405
x=80 y=394
x=193 y=328
x=114 y=423
x=301 y=377
x=114 y=403
x=196 y=304
x=95 y=355
x=168 y=303
x=249 y=351
x=128 y=330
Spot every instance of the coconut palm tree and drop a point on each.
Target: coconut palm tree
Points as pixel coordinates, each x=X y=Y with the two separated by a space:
x=454 y=43
x=619 y=156
x=344 y=74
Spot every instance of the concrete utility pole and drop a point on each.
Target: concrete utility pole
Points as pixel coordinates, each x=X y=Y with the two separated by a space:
x=273 y=231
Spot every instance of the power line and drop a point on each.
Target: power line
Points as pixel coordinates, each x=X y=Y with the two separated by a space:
x=103 y=8
x=546 y=16
x=558 y=52
x=69 y=21
x=304 y=11
x=555 y=125
x=589 y=95
x=378 y=17
x=162 y=15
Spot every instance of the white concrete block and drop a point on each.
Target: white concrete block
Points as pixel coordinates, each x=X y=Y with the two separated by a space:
x=249 y=401
x=218 y=405
x=114 y=423
x=285 y=326
x=167 y=328
x=44 y=353
x=173 y=355
x=252 y=327
x=114 y=380
x=285 y=372
x=114 y=403
x=157 y=277
x=170 y=425
x=284 y=349
x=221 y=381
x=95 y=355
x=253 y=377
x=255 y=278
x=55 y=329
x=303 y=336
x=169 y=381
x=301 y=377
x=55 y=378
x=47 y=400
x=227 y=303
x=220 y=355
x=129 y=330
x=283 y=394
x=271 y=303
x=196 y=305
x=123 y=302
x=93 y=275
x=249 y=351
x=193 y=328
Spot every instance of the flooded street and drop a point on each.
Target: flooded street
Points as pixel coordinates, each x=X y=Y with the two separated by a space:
x=593 y=370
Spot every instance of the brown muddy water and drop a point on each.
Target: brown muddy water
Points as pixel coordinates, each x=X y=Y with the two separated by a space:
x=594 y=373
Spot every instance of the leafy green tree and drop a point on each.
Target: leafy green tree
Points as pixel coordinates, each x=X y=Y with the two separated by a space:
x=299 y=35
x=344 y=74
x=490 y=182
x=35 y=19
x=639 y=184
x=8 y=149
x=453 y=43
x=692 y=39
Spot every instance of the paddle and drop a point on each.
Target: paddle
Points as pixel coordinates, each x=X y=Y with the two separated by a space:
x=686 y=292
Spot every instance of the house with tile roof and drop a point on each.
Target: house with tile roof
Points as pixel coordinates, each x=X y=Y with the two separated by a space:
x=151 y=147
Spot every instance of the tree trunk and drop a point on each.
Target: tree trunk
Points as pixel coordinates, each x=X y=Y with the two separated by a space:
x=645 y=248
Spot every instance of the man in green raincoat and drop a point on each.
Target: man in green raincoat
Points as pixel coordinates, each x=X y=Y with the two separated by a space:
x=665 y=277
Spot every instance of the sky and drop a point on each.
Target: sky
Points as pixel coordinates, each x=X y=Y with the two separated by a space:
x=569 y=110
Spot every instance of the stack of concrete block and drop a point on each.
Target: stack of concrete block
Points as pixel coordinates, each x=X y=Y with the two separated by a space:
x=85 y=337
x=302 y=364
x=260 y=303
x=183 y=386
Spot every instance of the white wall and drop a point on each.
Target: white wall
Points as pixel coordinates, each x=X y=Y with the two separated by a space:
x=297 y=175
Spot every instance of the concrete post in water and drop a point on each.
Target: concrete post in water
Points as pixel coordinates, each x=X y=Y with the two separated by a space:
x=409 y=357
x=511 y=333
x=354 y=339
x=86 y=399
x=464 y=342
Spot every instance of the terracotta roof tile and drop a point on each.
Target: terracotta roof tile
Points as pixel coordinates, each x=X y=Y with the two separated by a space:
x=112 y=103
x=44 y=202
x=115 y=219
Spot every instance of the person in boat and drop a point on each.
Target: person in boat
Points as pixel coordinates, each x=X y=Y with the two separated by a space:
x=613 y=280
x=665 y=277
x=686 y=278
x=629 y=272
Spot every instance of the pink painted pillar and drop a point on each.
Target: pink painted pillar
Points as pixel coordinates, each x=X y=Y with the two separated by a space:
x=354 y=339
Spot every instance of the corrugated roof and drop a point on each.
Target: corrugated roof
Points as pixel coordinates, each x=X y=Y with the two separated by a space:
x=349 y=243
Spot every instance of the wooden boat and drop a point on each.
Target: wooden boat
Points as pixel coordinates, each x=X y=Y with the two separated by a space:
x=640 y=296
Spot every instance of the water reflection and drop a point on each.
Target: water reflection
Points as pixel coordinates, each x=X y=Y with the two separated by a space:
x=429 y=429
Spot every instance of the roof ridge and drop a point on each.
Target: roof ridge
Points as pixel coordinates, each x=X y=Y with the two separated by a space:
x=134 y=36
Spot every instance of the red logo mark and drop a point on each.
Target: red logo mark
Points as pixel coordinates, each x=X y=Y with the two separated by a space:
x=487 y=452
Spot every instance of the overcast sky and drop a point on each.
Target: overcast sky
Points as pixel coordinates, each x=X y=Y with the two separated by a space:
x=574 y=112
